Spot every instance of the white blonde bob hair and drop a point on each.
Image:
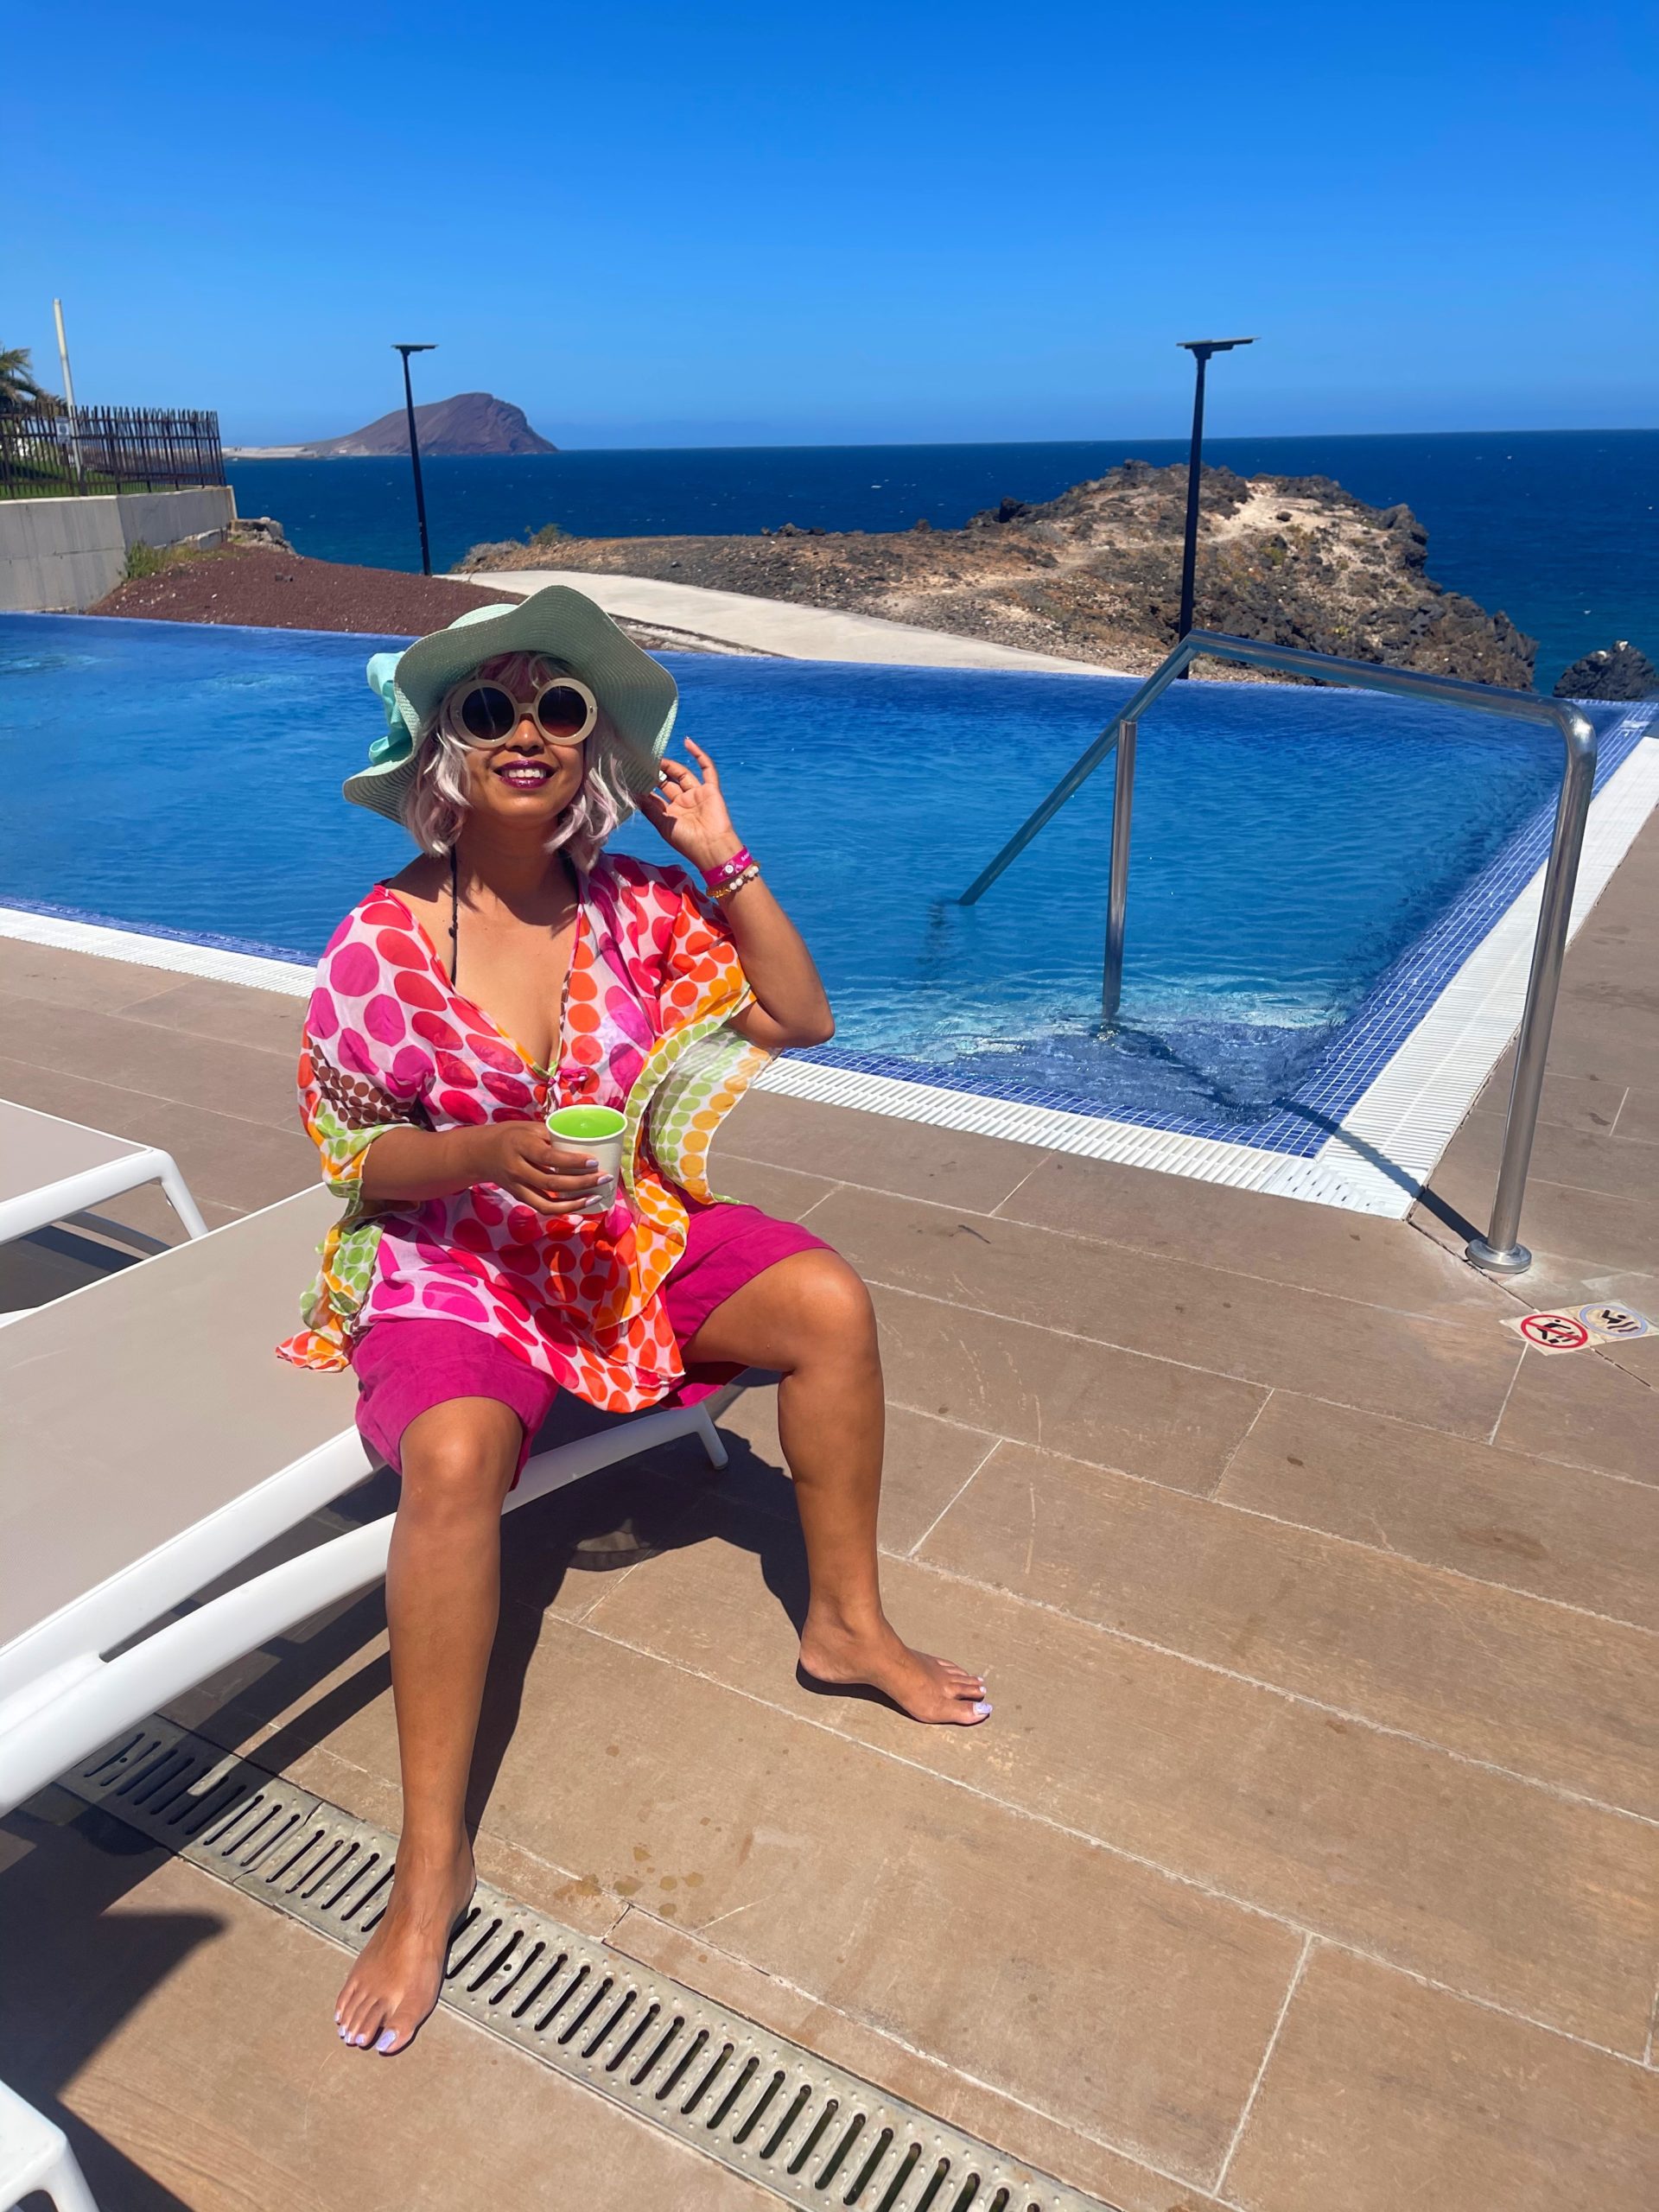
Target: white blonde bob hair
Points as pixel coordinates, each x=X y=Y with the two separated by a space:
x=437 y=804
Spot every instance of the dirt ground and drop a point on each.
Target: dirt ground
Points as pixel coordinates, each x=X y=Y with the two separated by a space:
x=285 y=591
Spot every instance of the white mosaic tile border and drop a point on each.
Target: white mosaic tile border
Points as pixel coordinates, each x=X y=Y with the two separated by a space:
x=1390 y=1140
x=214 y=962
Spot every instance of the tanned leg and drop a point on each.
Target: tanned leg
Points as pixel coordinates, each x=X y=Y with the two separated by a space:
x=443 y=1584
x=809 y=1318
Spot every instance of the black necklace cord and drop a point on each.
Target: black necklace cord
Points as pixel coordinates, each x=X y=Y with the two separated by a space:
x=454 y=915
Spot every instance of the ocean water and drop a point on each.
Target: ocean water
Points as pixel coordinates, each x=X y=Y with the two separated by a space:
x=1289 y=842
x=1558 y=528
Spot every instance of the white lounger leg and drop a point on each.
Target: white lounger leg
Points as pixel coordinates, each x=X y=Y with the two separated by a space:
x=179 y=1198
x=710 y=1435
x=35 y=2155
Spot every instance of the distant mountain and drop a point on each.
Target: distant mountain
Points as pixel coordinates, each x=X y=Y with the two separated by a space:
x=472 y=423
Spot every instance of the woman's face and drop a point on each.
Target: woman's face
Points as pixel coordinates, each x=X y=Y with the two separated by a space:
x=526 y=778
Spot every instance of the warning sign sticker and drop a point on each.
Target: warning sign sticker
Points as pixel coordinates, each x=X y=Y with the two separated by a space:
x=1581 y=1330
x=1619 y=1324
x=1552 y=1333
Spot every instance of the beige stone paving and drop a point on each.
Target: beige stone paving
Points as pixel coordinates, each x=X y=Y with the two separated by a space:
x=1309 y=1863
x=1382 y=2093
x=1500 y=1516
x=182 y=2035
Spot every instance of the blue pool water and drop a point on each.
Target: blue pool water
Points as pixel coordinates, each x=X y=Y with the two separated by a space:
x=1292 y=846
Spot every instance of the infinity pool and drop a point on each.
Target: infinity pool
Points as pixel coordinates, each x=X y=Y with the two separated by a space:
x=1291 y=846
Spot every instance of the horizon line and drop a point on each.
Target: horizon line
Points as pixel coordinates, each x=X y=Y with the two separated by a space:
x=267 y=446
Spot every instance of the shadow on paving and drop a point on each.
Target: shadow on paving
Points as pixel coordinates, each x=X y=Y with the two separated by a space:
x=75 y=1970
x=666 y=1500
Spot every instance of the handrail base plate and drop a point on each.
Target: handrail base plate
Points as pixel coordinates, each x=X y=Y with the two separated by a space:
x=1513 y=1262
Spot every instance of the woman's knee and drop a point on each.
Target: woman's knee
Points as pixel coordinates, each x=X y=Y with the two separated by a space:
x=829 y=1307
x=458 y=1459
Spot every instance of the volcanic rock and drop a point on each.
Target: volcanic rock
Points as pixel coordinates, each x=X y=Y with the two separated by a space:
x=1095 y=575
x=1618 y=672
x=259 y=530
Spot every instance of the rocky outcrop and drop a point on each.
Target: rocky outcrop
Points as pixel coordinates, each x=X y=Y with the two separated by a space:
x=1618 y=672
x=259 y=530
x=471 y=424
x=1095 y=575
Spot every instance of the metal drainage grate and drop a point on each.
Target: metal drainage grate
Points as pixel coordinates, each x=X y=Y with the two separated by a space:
x=809 y=2133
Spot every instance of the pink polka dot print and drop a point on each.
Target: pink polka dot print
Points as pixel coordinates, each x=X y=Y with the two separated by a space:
x=576 y=1296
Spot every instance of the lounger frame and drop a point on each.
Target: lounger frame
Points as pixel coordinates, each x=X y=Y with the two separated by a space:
x=60 y=1697
x=24 y=1212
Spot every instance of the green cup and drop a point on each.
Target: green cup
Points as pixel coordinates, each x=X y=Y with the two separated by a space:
x=596 y=1132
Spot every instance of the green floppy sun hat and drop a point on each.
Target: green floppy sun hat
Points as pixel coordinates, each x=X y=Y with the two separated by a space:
x=636 y=695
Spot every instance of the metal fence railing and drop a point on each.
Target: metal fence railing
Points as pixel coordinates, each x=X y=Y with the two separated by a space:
x=50 y=454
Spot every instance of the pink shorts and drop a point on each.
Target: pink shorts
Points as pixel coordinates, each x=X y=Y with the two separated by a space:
x=405 y=1368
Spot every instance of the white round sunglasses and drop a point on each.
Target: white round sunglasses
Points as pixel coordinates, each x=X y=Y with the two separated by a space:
x=479 y=712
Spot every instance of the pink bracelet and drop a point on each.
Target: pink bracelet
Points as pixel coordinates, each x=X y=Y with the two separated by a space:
x=723 y=890
x=723 y=871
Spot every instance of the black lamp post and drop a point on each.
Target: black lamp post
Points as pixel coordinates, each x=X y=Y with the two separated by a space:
x=1200 y=349
x=415 y=451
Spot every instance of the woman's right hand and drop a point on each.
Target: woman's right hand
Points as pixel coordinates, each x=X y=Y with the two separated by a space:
x=522 y=1158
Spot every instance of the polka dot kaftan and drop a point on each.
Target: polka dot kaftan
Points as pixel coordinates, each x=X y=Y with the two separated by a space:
x=389 y=1043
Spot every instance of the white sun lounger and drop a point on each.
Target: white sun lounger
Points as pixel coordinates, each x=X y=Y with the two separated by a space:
x=35 y=2155
x=151 y=1443
x=50 y=1169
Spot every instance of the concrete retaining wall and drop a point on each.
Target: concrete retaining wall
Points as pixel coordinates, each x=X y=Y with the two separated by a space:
x=63 y=554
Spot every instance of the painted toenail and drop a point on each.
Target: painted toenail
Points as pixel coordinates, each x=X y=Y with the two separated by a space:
x=982 y=1711
x=387 y=2040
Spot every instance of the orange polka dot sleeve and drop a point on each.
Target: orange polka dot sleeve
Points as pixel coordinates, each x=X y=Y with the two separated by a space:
x=698 y=955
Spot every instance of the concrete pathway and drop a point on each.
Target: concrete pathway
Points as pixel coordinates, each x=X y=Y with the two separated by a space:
x=732 y=621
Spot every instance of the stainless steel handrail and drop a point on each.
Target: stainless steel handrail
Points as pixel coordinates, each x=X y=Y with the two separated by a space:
x=1500 y=1251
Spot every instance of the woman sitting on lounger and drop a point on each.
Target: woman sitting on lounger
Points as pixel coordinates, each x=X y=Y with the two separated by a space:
x=513 y=969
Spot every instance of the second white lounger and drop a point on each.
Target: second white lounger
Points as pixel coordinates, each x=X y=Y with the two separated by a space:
x=50 y=1168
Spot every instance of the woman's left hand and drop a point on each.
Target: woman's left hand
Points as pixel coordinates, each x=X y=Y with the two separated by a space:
x=689 y=811
x=789 y=1006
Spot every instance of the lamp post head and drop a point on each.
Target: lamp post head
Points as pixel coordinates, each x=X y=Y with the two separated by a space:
x=1202 y=348
x=407 y=350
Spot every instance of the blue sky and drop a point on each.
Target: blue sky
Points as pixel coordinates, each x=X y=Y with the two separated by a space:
x=922 y=220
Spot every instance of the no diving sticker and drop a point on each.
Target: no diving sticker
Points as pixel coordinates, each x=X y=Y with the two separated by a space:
x=1578 y=1331
x=1552 y=1332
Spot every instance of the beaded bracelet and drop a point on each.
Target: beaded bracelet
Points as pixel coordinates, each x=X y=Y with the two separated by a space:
x=727 y=871
x=750 y=874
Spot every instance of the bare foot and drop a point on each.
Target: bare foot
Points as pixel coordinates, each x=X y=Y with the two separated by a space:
x=399 y=1970
x=925 y=1688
